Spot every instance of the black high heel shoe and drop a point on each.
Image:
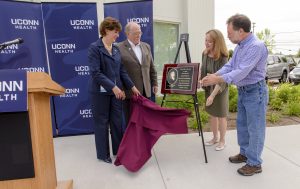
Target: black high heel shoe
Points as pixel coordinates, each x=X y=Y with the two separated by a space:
x=107 y=160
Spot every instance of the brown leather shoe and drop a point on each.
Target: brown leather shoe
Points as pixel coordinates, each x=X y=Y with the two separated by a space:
x=248 y=170
x=238 y=158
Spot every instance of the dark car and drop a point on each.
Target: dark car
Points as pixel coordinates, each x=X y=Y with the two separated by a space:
x=295 y=75
x=277 y=68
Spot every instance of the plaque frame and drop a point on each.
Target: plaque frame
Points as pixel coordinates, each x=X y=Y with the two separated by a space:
x=184 y=81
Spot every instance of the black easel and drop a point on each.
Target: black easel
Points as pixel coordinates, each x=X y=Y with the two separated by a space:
x=185 y=38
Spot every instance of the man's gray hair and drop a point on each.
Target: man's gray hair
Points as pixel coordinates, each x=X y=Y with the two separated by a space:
x=128 y=26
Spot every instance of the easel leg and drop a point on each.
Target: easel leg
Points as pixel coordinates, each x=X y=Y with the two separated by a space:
x=197 y=113
x=163 y=101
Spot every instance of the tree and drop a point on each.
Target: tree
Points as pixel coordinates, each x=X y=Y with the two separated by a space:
x=298 y=54
x=268 y=38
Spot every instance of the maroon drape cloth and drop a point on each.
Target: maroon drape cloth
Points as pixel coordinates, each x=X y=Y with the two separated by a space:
x=147 y=123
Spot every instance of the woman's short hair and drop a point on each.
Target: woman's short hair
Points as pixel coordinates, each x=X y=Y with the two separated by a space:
x=109 y=23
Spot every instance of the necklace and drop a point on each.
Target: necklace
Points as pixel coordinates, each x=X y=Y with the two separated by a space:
x=108 y=47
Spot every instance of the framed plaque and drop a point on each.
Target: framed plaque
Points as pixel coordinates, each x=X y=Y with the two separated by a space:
x=180 y=78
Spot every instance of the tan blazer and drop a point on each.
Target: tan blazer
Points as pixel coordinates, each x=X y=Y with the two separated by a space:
x=142 y=75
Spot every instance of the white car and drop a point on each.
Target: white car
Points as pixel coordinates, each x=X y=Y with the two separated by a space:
x=295 y=75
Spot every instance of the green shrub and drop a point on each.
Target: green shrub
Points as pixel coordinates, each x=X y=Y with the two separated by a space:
x=283 y=92
x=232 y=91
x=273 y=117
x=177 y=101
x=271 y=93
x=276 y=103
x=233 y=104
x=186 y=102
x=192 y=122
x=201 y=98
x=292 y=108
x=285 y=98
x=233 y=98
x=204 y=116
x=294 y=94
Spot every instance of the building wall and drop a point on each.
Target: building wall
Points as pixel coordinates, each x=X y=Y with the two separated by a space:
x=193 y=16
x=199 y=19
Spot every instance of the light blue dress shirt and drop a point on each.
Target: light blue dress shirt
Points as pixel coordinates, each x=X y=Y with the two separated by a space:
x=248 y=63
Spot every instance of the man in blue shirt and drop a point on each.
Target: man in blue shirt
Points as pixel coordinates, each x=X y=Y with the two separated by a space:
x=246 y=69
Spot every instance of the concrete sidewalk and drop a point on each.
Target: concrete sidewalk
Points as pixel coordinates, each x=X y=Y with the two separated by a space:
x=178 y=162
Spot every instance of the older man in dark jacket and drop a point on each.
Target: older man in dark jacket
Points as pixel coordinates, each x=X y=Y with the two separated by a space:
x=137 y=59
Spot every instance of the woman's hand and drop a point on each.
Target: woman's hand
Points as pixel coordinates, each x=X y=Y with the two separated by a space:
x=124 y=95
x=210 y=100
x=135 y=91
x=199 y=84
x=118 y=93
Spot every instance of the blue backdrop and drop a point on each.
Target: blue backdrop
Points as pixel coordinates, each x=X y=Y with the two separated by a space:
x=70 y=29
x=137 y=11
x=22 y=20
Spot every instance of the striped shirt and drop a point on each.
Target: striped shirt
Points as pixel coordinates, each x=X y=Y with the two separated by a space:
x=248 y=63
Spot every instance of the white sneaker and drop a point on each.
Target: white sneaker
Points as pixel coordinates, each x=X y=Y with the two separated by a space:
x=220 y=147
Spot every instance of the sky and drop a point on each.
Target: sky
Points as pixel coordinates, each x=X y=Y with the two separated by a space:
x=281 y=17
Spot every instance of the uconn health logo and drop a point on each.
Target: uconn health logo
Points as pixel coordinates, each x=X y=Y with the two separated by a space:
x=12 y=49
x=33 y=69
x=9 y=90
x=86 y=113
x=63 y=48
x=71 y=93
x=25 y=24
x=82 y=70
x=142 y=21
x=82 y=24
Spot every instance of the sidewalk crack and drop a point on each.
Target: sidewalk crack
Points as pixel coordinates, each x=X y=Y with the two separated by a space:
x=292 y=162
x=162 y=177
